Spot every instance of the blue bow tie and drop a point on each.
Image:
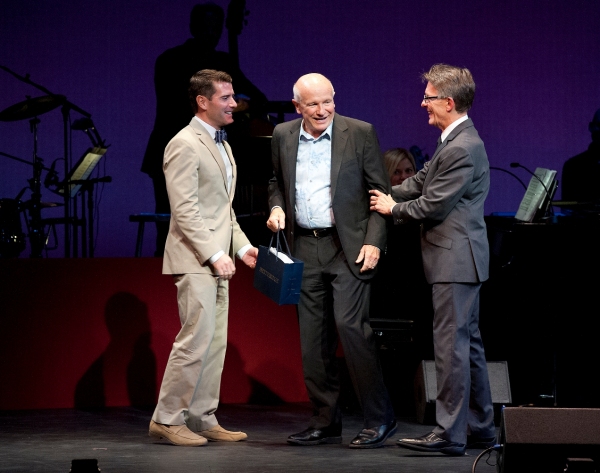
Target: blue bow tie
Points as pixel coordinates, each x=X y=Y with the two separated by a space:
x=220 y=136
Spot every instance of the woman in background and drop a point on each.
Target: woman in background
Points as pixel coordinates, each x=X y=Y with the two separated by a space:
x=399 y=164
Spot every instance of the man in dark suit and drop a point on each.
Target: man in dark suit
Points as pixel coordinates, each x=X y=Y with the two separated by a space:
x=324 y=165
x=447 y=197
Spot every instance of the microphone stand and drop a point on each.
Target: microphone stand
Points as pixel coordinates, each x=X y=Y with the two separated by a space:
x=511 y=173
x=66 y=108
x=36 y=234
x=22 y=160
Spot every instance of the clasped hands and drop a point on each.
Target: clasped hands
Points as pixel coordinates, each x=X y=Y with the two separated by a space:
x=224 y=267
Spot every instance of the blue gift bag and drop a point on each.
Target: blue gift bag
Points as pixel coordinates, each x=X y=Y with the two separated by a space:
x=278 y=275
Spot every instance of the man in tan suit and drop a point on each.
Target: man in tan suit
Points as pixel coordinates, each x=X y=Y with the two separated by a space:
x=204 y=238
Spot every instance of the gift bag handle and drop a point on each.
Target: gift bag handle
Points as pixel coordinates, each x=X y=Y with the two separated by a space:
x=279 y=248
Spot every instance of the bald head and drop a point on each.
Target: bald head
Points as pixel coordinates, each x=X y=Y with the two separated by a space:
x=309 y=82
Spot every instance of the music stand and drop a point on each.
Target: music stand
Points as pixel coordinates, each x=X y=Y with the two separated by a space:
x=82 y=170
x=78 y=181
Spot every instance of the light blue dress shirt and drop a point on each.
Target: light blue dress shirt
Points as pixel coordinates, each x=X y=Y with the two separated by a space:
x=313 y=180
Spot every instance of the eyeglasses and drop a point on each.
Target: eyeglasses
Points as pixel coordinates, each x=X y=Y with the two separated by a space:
x=429 y=98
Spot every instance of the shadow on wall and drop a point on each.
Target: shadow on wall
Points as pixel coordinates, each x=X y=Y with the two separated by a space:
x=126 y=370
x=238 y=387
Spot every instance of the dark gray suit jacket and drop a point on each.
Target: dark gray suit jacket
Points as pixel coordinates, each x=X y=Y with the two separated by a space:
x=448 y=195
x=356 y=167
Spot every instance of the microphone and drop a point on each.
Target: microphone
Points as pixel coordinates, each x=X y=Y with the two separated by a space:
x=548 y=194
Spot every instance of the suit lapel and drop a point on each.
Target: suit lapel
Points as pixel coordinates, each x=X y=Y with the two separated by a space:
x=440 y=146
x=233 y=166
x=338 y=145
x=210 y=144
x=453 y=134
x=292 y=151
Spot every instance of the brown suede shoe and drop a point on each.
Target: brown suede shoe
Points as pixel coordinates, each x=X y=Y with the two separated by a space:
x=219 y=434
x=176 y=434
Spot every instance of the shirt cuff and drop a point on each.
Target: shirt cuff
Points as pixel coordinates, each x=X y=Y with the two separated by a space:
x=242 y=251
x=216 y=256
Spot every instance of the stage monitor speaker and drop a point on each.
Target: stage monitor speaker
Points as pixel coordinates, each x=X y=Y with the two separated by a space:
x=548 y=439
x=426 y=388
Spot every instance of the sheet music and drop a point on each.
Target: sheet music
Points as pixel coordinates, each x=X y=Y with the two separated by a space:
x=535 y=194
x=84 y=168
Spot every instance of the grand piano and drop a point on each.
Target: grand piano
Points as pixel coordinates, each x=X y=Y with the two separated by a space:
x=540 y=306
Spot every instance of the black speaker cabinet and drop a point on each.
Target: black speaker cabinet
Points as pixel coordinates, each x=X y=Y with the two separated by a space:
x=548 y=439
x=426 y=388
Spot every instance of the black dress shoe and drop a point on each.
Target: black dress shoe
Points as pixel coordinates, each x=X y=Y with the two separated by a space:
x=473 y=441
x=312 y=436
x=374 y=437
x=432 y=443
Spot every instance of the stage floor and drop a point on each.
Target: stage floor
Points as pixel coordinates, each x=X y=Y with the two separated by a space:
x=47 y=441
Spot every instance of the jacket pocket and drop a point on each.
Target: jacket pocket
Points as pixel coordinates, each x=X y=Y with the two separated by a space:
x=438 y=239
x=210 y=223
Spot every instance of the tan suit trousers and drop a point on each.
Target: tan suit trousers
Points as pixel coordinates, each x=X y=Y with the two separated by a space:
x=191 y=384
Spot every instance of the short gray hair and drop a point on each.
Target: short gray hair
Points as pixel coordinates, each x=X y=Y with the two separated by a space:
x=451 y=81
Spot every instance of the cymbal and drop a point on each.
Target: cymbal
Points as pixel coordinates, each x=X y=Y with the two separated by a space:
x=32 y=107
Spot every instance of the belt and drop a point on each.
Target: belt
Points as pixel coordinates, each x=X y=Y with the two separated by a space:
x=315 y=232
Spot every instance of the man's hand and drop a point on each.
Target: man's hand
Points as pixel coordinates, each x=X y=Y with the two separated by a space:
x=250 y=256
x=276 y=219
x=224 y=267
x=381 y=202
x=369 y=255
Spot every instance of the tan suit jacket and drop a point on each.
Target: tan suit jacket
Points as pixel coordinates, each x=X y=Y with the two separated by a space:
x=202 y=218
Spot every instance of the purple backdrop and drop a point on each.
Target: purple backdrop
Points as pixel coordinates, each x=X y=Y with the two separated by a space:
x=536 y=67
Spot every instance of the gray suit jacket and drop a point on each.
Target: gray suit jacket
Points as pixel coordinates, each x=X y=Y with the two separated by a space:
x=202 y=218
x=356 y=167
x=447 y=195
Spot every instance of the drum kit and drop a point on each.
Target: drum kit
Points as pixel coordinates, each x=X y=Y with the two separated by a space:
x=12 y=237
x=14 y=211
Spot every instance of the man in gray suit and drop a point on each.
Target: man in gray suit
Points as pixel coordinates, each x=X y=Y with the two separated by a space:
x=204 y=239
x=324 y=165
x=447 y=196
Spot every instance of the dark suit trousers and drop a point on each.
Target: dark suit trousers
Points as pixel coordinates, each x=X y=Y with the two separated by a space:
x=464 y=400
x=331 y=297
